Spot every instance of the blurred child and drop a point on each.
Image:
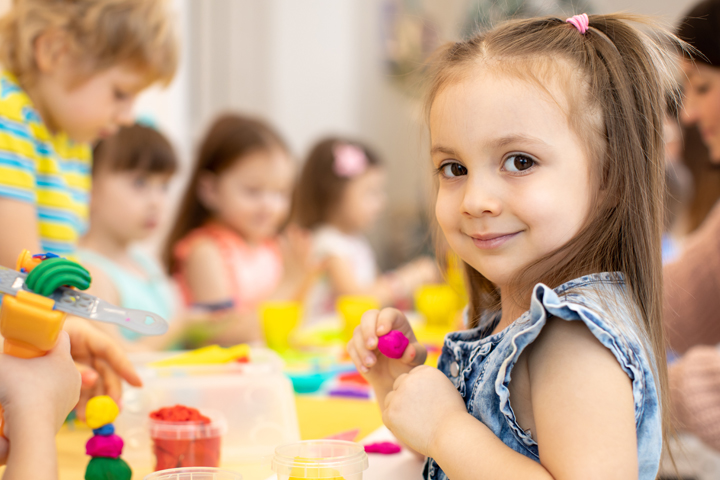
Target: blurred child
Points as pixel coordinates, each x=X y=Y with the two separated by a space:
x=225 y=250
x=340 y=195
x=36 y=396
x=131 y=172
x=72 y=72
x=550 y=162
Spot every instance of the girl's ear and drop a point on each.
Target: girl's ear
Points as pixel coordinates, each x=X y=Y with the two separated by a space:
x=207 y=190
x=51 y=49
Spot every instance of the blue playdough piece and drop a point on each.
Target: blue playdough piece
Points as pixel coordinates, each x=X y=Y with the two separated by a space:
x=105 y=430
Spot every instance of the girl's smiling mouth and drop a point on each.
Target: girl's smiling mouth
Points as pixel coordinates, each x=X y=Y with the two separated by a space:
x=489 y=241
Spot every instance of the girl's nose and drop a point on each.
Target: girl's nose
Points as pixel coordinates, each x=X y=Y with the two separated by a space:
x=481 y=198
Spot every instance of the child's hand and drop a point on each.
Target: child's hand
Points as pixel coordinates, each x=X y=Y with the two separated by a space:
x=380 y=370
x=424 y=393
x=102 y=361
x=39 y=390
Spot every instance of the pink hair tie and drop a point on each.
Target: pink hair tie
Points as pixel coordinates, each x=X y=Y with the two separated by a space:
x=350 y=161
x=581 y=22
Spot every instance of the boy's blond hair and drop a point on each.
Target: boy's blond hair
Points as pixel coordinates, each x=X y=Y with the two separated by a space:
x=101 y=33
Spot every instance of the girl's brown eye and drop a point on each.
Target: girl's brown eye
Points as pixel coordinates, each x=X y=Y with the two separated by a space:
x=518 y=163
x=453 y=170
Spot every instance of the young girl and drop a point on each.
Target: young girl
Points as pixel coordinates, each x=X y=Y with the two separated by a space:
x=72 y=71
x=547 y=139
x=224 y=249
x=340 y=195
x=131 y=172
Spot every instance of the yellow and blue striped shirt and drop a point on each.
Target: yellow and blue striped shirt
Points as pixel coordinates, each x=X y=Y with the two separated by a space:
x=45 y=169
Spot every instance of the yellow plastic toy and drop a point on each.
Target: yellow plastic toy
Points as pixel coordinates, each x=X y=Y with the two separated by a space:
x=100 y=411
x=38 y=296
x=351 y=309
x=439 y=304
x=210 y=355
x=279 y=319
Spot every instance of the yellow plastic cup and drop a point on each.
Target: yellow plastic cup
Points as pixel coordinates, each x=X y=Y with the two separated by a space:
x=351 y=309
x=279 y=319
x=320 y=459
x=438 y=304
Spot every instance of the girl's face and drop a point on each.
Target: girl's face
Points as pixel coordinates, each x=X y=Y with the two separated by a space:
x=128 y=205
x=252 y=196
x=514 y=179
x=702 y=103
x=362 y=201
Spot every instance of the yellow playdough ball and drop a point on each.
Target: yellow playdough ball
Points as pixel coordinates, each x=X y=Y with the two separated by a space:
x=100 y=411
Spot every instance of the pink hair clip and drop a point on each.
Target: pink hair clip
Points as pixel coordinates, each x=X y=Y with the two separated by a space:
x=350 y=160
x=581 y=22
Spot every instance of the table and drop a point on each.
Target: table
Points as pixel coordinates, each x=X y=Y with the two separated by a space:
x=318 y=417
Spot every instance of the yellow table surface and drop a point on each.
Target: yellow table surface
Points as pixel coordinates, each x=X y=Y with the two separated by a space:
x=319 y=417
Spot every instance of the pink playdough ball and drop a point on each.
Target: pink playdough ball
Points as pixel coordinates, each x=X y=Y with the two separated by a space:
x=384 y=448
x=393 y=344
x=104 y=446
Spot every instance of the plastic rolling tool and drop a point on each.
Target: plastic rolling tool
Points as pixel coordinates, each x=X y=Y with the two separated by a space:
x=41 y=292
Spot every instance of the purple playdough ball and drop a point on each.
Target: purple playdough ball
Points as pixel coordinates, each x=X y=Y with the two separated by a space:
x=110 y=446
x=393 y=344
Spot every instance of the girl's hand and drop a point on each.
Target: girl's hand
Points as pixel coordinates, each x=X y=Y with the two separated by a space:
x=378 y=369
x=421 y=402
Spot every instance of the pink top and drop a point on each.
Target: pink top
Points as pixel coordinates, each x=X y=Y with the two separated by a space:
x=253 y=272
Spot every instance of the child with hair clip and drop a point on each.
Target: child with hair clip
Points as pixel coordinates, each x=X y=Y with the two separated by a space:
x=131 y=172
x=72 y=71
x=36 y=396
x=547 y=140
x=225 y=249
x=340 y=194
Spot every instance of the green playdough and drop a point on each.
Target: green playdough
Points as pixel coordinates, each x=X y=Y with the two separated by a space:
x=101 y=468
x=50 y=274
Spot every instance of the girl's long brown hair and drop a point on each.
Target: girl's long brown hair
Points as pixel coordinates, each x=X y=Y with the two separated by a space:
x=618 y=78
x=230 y=138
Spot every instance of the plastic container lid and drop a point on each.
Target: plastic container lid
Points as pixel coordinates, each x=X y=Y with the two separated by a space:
x=189 y=430
x=320 y=459
x=194 y=473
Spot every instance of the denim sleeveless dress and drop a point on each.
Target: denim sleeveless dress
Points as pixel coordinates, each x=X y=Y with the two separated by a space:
x=480 y=365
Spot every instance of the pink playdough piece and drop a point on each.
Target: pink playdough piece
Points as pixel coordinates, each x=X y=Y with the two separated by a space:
x=104 y=446
x=383 y=448
x=393 y=344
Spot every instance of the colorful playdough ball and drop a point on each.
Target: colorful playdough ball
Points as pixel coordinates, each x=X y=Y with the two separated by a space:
x=100 y=411
x=102 y=468
x=104 y=446
x=105 y=430
x=393 y=344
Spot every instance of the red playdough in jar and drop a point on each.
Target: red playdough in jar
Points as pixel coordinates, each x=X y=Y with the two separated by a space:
x=183 y=437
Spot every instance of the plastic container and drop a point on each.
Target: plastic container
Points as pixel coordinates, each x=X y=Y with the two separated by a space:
x=194 y=473
x=279 y=319
x=328 y=459
x=351 y=309
x=188 y=444
x=256 y=399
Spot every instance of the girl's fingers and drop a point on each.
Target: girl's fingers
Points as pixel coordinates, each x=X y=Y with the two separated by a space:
x=368 y=327
x=367 y=358
x=355 y=358
x=415 y=354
